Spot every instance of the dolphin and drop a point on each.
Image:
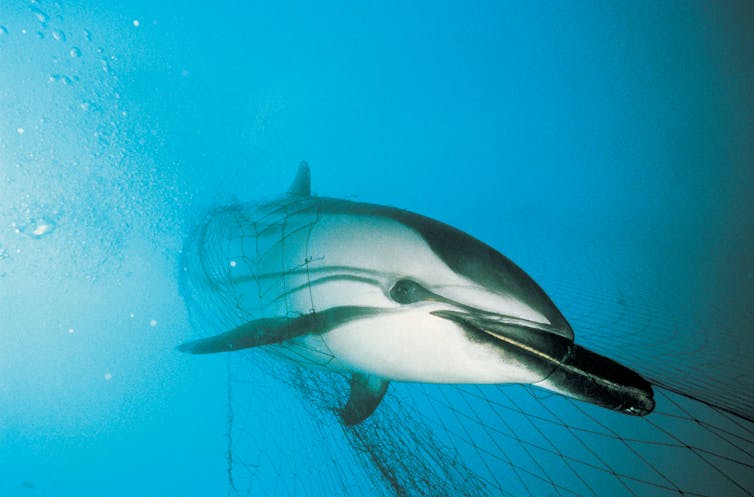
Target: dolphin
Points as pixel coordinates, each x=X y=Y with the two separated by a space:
x=381 y=294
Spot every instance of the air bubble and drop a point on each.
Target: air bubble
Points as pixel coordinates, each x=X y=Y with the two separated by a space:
x=37 y=228
x=42 y=230
x=75 y=52
x=153 y=323
x=40 y=15
x=20 y=131
x=58 y=35
x=59 y=78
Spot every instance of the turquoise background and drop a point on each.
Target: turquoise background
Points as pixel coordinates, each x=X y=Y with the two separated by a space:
x=606 y=147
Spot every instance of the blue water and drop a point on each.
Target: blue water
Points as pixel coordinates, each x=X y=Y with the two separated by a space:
x=608 y=149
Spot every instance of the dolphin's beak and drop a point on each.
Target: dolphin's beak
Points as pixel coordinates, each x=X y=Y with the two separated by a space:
x=565 y=367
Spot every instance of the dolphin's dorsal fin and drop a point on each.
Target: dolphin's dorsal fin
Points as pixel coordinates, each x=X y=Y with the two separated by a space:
x=366 y=393
x=302 y=183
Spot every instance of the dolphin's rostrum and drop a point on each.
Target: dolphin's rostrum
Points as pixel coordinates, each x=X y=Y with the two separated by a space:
x=383 y=294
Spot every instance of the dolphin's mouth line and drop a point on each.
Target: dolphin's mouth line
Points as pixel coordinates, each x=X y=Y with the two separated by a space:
x=532 y=350
x=504 y=319
x=493 y=318
x=543 y=343
x=566 y=368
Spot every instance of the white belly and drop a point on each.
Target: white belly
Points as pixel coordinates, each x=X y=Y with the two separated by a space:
x=407 y=345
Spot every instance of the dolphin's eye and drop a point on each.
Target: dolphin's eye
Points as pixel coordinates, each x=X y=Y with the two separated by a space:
x=408 y=292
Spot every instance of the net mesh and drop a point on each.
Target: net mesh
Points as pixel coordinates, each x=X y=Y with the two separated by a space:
x=286 y=438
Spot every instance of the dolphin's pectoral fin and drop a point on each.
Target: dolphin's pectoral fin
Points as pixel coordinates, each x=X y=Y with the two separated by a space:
x=269 y=331
x=366 y=393
x=252 y=334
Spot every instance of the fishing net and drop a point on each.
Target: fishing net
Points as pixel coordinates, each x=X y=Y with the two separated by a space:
x=285 y=437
